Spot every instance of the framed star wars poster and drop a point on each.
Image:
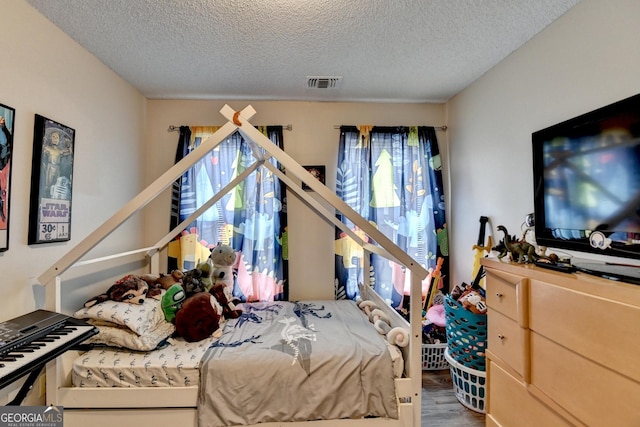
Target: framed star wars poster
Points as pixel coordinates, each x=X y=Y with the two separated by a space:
x=7 y=119
x=51 y=182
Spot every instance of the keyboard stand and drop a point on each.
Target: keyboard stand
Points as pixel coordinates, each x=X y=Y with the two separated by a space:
x=26 y=387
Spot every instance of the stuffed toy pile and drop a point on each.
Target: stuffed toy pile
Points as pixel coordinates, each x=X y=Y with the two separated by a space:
x=472 y=299
x=196 y=301
x=203 y=298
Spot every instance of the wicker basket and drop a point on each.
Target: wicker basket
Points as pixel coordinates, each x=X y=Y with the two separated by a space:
x=468 y=385
x=466 y=335
x=433 y=357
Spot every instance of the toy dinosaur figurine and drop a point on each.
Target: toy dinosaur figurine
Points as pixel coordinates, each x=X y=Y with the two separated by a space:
x=521 y=251
x=501 y=249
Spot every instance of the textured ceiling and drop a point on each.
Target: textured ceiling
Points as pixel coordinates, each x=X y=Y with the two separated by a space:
x=384 y=50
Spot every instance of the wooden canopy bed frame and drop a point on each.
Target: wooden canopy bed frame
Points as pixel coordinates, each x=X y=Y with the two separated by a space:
x=155 y=406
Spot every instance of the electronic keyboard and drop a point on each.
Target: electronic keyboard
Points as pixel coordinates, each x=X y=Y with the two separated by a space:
x=28 y=342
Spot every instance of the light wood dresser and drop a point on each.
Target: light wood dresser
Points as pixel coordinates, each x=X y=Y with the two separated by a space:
x=563 y=349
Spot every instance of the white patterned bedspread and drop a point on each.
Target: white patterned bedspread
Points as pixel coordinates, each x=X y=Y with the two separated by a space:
x=286 y=361
x=176 y=365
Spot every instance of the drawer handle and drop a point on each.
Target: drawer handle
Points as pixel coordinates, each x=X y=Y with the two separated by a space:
x=501 y=337
x=498 y=294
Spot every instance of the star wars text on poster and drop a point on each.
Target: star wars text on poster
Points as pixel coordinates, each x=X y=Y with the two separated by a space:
x=55 y=217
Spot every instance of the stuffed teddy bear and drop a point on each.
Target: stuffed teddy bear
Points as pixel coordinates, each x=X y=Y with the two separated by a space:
x=172 y=301
x=131 y=289
x=229 y=310
x=224 y=257
x=198 y=318
x=165 y=281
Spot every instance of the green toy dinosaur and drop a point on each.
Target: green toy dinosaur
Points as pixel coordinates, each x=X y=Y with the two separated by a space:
x=521 y=251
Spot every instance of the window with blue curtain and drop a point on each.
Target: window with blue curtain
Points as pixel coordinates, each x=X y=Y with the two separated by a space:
x=392 y=177
x=251 y=217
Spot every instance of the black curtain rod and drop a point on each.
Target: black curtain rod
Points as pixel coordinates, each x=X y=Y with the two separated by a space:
x=173 y=128
x=442 y=128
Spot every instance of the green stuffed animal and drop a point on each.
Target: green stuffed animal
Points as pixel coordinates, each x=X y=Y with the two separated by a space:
x=171 y=301
x=207 y=274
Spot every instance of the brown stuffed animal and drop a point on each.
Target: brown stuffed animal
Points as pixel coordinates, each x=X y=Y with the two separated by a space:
x=198 y=318
x=164 y=280
x=228 y=312
x=131 y=289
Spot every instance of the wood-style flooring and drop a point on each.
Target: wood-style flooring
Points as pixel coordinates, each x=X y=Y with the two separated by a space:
x=440 y=407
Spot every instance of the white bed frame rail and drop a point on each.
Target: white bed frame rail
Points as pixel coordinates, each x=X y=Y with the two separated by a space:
x=162 y=406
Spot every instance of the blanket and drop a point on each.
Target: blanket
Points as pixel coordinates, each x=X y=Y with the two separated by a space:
x=296 y=361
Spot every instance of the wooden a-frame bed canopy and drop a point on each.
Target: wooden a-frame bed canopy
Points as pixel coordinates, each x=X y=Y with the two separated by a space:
x=160 y=406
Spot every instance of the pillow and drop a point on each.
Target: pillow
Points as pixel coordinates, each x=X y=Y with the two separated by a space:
x=396 y=359
x=123 y=337
x=140 y=318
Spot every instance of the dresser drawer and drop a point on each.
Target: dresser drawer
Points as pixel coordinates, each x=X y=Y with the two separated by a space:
x=507 y=294
x=511 y=405
x=602 y=330
x=594 y=394
x=508 y=341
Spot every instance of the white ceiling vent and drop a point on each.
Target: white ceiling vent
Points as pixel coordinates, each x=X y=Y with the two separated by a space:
x=324 y=82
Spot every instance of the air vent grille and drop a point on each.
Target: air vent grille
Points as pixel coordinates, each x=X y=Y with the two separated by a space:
x=324 y=82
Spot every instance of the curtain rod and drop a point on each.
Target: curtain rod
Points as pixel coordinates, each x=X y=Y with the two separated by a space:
x=442 y=128
x=173 y=128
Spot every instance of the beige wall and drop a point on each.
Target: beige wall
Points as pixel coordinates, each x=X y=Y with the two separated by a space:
x=45 y=72
x=313 y=140
x=586 y=59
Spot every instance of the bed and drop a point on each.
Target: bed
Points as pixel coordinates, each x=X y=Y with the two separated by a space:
x=200 y=402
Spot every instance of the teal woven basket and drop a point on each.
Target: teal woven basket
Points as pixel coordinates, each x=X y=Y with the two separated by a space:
x=466 y=335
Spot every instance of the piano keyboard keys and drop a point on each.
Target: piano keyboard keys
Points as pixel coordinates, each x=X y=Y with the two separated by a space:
x=22 y=360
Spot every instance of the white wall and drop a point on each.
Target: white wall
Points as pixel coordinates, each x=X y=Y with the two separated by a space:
x=45 y=72
x=312 y=141
x=586 y=59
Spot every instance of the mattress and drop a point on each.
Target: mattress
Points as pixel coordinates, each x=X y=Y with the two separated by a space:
x=296 y=361
x=175 y=365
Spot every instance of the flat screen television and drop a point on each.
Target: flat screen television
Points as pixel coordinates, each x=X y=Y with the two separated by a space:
x=587 y=182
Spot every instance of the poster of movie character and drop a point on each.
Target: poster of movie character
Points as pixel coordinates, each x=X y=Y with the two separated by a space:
x=51 y=182
x=7 y=118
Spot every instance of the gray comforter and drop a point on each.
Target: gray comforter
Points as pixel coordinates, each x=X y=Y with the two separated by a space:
x=296 y=361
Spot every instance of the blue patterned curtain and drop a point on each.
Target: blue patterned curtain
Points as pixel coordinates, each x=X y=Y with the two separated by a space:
x=392 y=177
x=250 y=218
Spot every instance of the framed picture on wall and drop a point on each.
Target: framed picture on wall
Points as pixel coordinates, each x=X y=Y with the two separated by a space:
x=317 y=171
x=7 y=119
x=51 y=182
